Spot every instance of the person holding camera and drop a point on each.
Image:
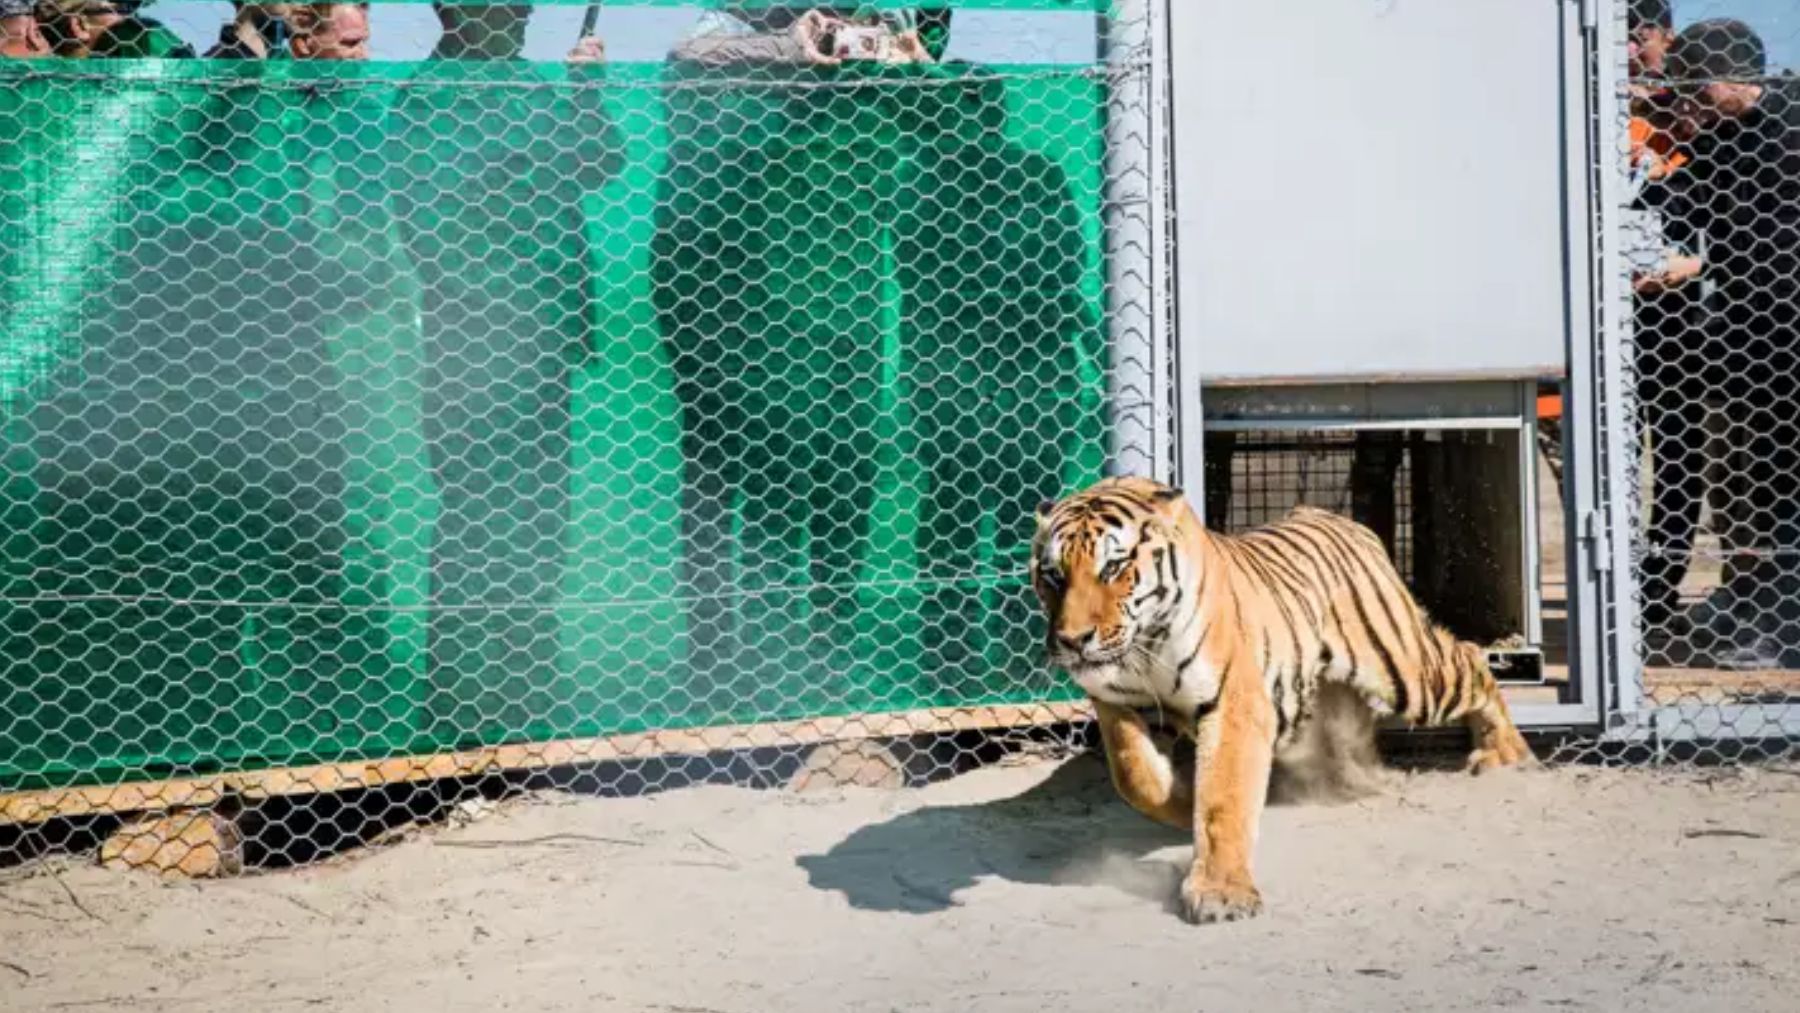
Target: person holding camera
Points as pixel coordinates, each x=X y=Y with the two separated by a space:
x=1663 y=250
x=996 y=338
x=796 y=34
x=769 y=273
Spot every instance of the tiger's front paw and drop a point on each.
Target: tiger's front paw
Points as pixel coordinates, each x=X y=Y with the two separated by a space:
x=1206 y=901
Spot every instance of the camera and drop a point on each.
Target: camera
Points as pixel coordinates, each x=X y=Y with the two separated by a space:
x=860 y=42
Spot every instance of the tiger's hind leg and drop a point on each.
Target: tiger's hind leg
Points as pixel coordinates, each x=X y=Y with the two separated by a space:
x=1497 y=740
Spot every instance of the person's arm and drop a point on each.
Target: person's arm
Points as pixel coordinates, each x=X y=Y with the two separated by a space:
x=600 y=147
x=799 y=46
x=715 y=51
x=1676 y=205
x=1677 y=271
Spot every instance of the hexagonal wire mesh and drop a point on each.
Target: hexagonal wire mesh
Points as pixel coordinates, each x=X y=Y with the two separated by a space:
x=1700 y=312
x=383 y=433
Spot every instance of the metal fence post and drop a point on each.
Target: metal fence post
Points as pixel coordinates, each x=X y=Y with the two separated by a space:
x=1138 y=381
x=1614 y=416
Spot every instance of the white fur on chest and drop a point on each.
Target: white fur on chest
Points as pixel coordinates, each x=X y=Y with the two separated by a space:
x=1156 y=681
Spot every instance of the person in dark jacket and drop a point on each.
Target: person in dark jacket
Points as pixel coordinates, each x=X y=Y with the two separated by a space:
x=1746 y=205
x=774 y=208
x=492 y=166
x=988 y=253
x=140 y=38
x=256 y=32
x=1662 y=250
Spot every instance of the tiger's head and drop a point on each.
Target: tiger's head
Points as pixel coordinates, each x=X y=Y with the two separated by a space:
x=1103 y=565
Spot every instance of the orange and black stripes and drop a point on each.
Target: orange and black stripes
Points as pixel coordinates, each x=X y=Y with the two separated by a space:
x=1430 y=677
x=1240 y=635
x=1311 y=597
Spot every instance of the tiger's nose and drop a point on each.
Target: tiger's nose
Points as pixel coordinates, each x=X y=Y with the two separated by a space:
x=1075 y=642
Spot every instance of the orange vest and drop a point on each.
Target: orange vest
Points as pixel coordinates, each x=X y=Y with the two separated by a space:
x=1657 y=145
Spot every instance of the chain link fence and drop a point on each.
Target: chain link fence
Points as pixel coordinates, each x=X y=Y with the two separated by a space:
x=1699 y=282
x=405 y=405
x=380 y=433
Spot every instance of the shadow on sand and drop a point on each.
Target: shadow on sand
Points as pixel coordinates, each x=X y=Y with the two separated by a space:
x=1071 y=828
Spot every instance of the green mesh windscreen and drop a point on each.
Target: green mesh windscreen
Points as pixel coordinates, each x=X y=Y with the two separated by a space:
x=366 y=410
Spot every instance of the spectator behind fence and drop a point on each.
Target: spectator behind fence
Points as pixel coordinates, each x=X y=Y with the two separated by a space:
x=332 y=31
x=1650 y=33
x=994 y=335
x=73 y=26
x=255 y=32
x=1655 y=267
x=20 y=37
x=491 y=174
x=767 y=264
x=137 y=37
x=1660 y=246
x=797 y=34
x=1746 y=177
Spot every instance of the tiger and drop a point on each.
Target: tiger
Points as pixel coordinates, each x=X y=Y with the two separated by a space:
x=1239 y=640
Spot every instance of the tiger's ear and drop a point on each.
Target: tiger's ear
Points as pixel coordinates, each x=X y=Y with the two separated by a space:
x=1171 y=504
x=1043 y=511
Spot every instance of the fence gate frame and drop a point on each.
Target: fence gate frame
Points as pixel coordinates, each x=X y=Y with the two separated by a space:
x=1598 y=564
x=1153 y=377
x=1610 y=434
x=1603 y=429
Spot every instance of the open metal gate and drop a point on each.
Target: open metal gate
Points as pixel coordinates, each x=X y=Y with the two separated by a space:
x=1695 y=375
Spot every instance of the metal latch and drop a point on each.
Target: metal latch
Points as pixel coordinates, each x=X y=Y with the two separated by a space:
x=1599 y=545
x=1516 y=665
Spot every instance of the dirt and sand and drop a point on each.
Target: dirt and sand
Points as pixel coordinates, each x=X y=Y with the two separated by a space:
x=1025 y=887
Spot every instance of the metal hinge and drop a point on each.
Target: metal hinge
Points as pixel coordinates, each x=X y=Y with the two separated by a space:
x=1599 y=545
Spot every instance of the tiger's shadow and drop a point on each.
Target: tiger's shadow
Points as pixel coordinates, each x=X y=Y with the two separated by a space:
x=1069 y=829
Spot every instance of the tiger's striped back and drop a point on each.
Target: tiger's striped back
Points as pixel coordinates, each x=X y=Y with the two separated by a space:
x=1329 y=604
x=1147 y=608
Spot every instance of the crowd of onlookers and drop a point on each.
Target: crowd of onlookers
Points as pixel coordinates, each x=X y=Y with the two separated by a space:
x=1712 y=239
x=805 y=242
x=119 y=29
x=807 y=32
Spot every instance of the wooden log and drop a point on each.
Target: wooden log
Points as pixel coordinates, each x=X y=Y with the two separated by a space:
x=192 y=844
x=202 y=792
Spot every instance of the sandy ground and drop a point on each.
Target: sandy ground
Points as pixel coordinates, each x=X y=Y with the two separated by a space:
x=1014 y=888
